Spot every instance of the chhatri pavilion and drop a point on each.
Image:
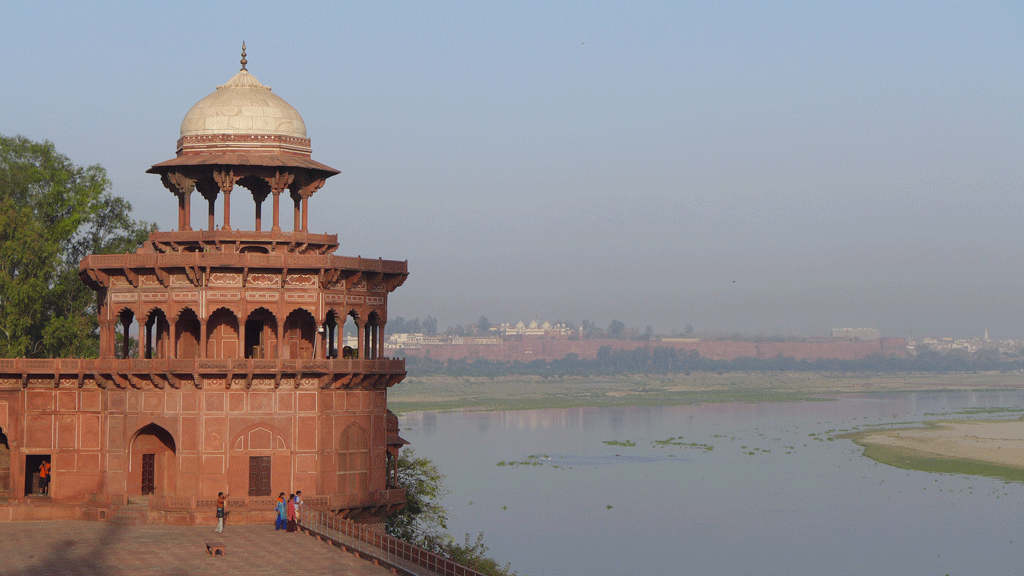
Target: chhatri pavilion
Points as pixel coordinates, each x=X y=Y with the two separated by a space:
x=221 y=366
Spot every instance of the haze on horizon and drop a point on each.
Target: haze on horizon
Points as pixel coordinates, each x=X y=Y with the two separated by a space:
x=780 y=168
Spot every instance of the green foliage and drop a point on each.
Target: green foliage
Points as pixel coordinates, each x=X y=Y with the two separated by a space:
x=473 y=555
x=616 y=329
x=483 y=325
x=52 y=214
x=424 y=522
x=626 y=443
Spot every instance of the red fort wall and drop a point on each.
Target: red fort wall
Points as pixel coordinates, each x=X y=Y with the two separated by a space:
x=527 y=350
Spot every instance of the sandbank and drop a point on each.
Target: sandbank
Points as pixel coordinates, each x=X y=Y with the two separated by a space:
x=987 y=448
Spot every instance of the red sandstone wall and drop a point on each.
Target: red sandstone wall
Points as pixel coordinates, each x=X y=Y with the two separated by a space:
x=91 y=437
x=528 y=350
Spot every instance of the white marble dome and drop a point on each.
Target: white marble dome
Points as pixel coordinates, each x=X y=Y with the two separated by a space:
x=243 y=106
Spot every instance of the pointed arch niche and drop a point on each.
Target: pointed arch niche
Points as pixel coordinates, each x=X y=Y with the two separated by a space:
x=300 y=335
x=260 y=460
x=353 y=461
x=261 y=335
x=153 y=468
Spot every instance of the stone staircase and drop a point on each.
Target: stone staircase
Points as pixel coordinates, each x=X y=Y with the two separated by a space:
x=134 y=513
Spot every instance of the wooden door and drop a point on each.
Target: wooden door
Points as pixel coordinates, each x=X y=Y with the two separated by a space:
x=259 y=476
x=148 y=474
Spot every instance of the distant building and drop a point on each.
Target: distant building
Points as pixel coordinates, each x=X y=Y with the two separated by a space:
x=857 y=333
x=542 y=330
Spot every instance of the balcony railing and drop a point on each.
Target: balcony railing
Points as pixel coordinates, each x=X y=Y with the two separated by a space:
x=73 y=366
x=246 y=260
x=374 y=544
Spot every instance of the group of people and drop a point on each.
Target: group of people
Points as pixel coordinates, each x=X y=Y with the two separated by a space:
x=289 y=512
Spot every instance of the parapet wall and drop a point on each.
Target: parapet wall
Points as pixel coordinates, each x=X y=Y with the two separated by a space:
x=542 y=349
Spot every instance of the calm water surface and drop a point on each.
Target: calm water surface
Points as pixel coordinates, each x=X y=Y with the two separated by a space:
x=772 y=496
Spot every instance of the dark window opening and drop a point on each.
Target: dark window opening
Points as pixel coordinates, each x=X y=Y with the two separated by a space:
x=32 y=464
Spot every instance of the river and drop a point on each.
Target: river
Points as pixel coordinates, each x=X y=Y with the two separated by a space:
x=736 y=489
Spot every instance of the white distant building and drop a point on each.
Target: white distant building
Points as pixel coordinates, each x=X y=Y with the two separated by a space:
x=857 y=333
x=534 y=329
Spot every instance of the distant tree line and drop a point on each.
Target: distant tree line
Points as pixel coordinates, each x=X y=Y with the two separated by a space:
x=665 y=360
x=399 y=325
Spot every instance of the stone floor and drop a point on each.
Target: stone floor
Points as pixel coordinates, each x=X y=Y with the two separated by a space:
x=100 y=548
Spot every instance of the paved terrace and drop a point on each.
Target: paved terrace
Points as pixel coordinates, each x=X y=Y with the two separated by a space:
x=105 y=549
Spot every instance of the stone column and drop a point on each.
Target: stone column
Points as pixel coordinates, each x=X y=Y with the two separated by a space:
x=277 y=212
x=182 y=187
x=202 y=337
x=143 y=339
x=280 y=336
x=107 y=344
x=300 y=195
x=226 y=182
x=241 y=338
x=367 y=351
x=278 y=183
x=360 y=346
x=172 y=340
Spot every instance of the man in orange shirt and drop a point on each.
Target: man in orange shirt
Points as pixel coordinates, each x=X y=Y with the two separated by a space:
x=44 y=477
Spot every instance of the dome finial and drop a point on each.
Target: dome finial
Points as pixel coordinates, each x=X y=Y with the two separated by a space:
x=244 y=62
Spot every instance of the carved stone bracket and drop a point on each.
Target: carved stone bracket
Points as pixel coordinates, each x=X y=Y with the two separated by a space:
x=225 y=179
x=279 y=182
x=178 y=183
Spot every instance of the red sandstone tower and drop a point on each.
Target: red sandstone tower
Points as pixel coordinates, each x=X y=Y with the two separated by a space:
x=235 y=382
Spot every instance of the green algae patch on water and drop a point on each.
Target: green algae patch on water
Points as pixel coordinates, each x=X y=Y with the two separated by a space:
x=877 y=446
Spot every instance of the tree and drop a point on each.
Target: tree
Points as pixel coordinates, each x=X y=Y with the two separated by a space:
x=430 y=326
x=689 y=329
x=52 y=214
x=616 y=328
x=424 y=523
x=483 y=325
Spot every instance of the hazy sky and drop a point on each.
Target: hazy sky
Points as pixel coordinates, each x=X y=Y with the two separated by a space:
x=769 y=167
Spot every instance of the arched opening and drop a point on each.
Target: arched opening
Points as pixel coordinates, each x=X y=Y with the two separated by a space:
x=331 y=335
x=261 y=335
x=126 y=345
x=350 y=336
x=353 y=461
x=222 y=335
x=186 y=334
x=371 y=336
x=300 y=334
x=254 y=250
x=5 y=465
x=157 y=335
x=153 y=466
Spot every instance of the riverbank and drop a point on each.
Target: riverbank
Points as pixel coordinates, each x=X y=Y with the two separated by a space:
x=529 y=393
x=985 y=448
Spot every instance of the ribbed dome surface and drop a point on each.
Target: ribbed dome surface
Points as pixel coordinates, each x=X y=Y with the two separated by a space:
x=243 y=106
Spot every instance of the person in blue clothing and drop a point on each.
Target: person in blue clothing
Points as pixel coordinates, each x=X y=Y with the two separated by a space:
x=282 y=516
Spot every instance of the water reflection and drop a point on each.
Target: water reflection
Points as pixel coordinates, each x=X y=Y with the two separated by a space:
x=718 y=489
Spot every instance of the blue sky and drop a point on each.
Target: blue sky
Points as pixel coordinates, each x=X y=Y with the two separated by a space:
x=766 y=167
